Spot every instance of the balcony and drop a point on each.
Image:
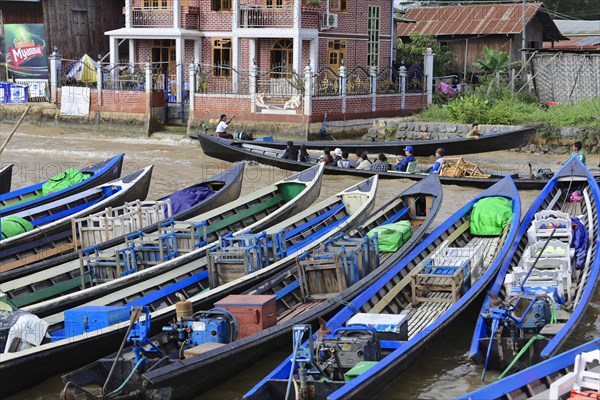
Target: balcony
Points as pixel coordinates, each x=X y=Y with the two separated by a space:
x=152 y=17
x=262 y=16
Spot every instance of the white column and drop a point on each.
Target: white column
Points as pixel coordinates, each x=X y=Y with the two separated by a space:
x=373 y=74
x=198 y=51
x=176 y=14
x=343 y=87
x=308 y=90
x=114 y=54
x=179 y=51
x=235 y=62
x=132 y=55
x=403 y=87
x=297 y=54
x=235 y=15
x=429 y=75
x=314 y=53
x=253 y=74
x=192 y=88
x=54 y=73
x=99 y=82
x=128 y=14
x=297 y=15
x=251 y=53
x=148 y=84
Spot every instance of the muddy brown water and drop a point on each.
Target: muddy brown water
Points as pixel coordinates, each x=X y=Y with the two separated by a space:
x=442 y=372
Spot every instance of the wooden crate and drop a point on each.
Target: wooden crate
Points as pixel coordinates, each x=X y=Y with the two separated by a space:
x=432 y=279
x=458 y=167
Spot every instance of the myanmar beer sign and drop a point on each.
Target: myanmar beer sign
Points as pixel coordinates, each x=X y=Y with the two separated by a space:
x=26 y=51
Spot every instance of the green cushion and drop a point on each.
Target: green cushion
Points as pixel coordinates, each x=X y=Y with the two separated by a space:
x=392 y=236
x=490 y=215
x=63 y=180
x=13 y=226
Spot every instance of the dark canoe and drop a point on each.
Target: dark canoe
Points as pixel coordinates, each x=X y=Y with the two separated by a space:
x=65 y=354
x=31 y=196
x=226 y=185
x=456 y=146
x=342 y=211
x=534 y=381
x=191 y=377
x=6 y=178
x=555 y=196
x=391 y=294
x=257 y=211
x=52 y=221
x=226 y=150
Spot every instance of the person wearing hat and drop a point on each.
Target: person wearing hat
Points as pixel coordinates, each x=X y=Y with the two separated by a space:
x=337 y=155
x=402 y=164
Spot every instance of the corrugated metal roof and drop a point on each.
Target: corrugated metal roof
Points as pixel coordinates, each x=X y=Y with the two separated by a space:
x=479 y=19
x=578 y=27
x=581 y=42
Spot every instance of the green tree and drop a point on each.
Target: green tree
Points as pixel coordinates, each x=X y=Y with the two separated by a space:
x=414 y=51
x=495 y=64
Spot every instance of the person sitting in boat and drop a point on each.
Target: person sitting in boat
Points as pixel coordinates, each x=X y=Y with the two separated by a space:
x=221 y=130
x=402 y=163
x=363 y=160
x=474 y=132
x=303 y=156
x=381 y=164
x=337 y=155
x=326 y=157
x=345 y=162
x=291 y=153
x=437 y=166
x=577 y=152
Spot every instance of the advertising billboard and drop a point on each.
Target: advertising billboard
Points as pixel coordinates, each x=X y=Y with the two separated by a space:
x=26 y=56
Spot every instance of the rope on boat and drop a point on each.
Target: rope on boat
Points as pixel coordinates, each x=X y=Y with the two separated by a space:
x=523 y=350
x=297 y=340
x=117 y=390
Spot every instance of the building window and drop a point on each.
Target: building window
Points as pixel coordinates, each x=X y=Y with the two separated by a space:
x=79 y=22
x=222 y=57
x=163 y=52
x=282 y=59
x=336 y=53
x=338 y=5
x=220 y=5
x=157 y=4
x=373 y=32
x=275 y=3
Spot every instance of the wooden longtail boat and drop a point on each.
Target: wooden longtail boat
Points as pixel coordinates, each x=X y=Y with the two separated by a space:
x=226 y=150
x=32 y=196
x=256 y=211
x=322 y=220
x=183 y=378
x=226 y=187
x=542 y=290
x=381 y=331
x=456 y=146
x=534 y=383
x=5 y=178
x=52 y=221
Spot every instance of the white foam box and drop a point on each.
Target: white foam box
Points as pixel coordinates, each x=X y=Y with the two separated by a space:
x=389 y=326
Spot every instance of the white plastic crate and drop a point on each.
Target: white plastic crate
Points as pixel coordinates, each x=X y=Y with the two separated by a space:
x=544 y=223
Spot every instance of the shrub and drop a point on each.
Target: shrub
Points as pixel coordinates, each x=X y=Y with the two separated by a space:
x=469 y=109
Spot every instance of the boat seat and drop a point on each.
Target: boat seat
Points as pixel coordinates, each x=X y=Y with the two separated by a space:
x=581 y=378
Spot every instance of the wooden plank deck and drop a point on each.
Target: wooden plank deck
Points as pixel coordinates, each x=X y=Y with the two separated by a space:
x=297 y=309
x=424 y=314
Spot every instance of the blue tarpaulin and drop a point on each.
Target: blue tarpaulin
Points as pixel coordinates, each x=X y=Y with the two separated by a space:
x=186 y=198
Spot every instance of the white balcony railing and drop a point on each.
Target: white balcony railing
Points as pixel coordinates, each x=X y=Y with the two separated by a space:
x=152 y=17
x=262 y=16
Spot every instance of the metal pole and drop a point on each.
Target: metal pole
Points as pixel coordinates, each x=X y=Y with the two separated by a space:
x=523 y=34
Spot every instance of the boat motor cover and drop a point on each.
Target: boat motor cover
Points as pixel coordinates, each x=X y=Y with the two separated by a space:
x=490 y=216
x=63 y=180
x=392 y=236
x=13 y=226
x=185 y=199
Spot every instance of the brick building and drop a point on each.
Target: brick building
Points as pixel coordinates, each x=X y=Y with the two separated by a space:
x=278 y=36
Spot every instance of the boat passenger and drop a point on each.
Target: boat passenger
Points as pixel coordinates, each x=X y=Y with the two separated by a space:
x=578 y=152
x=363 y=161
x=221 y=130
x=345 y=162
x=304 y=156
x=326 y=157
x=402 y=163
x=337 y=155
x=437 y=166
x=291 y=153
x=474 y=132
x=381 y=164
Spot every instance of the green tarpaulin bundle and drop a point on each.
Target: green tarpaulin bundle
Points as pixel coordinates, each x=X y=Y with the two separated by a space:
x=392 y=236
x=490 y=215
x=63 y=180
x=13 y=226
